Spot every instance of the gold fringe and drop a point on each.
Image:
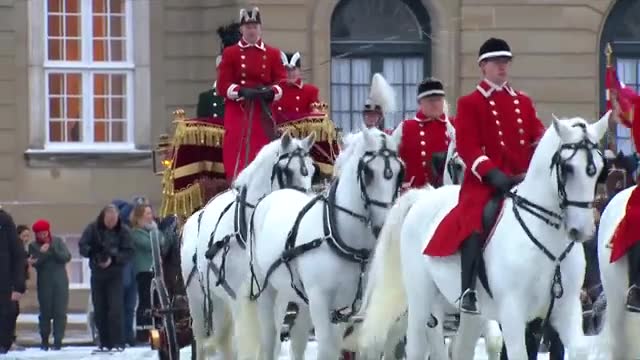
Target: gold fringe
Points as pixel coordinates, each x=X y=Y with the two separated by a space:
x=182 y=202
x=321 y=125
x=197 y=133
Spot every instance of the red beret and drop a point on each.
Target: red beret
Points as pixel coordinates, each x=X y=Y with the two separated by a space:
x=41 y=225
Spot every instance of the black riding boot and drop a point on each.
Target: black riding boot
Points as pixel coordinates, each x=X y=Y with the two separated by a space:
x=469 y=255
x=633 y=296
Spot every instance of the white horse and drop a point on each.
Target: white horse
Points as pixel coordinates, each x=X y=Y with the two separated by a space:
x=551 y=210
x=622 y=328
x=334 y=233
x=221 y=226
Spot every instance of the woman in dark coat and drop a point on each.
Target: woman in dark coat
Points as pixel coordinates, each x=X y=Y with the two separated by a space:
x=12 y=281
x=50 y=255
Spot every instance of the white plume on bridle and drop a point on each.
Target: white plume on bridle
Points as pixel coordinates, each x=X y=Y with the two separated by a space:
x=382 y=94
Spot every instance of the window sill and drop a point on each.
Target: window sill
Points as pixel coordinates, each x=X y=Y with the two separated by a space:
x=84 y=158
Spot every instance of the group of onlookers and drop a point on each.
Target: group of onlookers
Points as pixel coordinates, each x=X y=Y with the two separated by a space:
x=118 y=246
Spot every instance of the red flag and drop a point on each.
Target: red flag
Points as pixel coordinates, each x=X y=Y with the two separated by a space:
x=626 y=96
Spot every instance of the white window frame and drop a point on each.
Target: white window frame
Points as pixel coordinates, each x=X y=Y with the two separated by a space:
x=138 y=33
x=87 y=67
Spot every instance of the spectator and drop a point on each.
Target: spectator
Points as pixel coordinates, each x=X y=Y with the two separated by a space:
x=24 y=234
x=107 y=244
x=130 y=288
x=143 y=225
x=49 y=256
x=12 y=281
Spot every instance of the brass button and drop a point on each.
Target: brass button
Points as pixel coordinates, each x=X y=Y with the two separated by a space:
x=421 y=133
x=424 y=153
x=243 y=74
x=424 y=163
x=242 y=82
x=516 y=101
x=215 y=115
x=243 y=66
x=421 y=125
x=502 y=143
x=500 y=133
x=242 y=57
x=215 y=104
x=423 y=143
x=495 y=112
x=297 y=109
x=264 y=66
x=497 y=122
x=264 y=57
x=519 y=121
x=521 y=142
x=521 y=131
x=492 y=103
x=518 y=111
x=279 y=108
x=297 y=97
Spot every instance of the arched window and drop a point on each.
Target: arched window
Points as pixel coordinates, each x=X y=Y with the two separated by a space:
x=622 y=31
x=391 y=37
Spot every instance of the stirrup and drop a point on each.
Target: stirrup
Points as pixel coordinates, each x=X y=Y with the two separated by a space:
x=468 y=311
x=633 y=307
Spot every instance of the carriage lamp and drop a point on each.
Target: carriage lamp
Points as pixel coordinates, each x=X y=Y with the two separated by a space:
x=154 y=339
x=163 y=152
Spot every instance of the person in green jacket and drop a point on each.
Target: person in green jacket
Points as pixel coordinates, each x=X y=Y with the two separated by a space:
x=49 y=256
x=142 y=226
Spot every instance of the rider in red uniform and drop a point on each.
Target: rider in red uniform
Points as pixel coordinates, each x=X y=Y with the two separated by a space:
x=626 y=239
x=423 y=139
x=297 y=96
x=248 y=78
x=497 y=130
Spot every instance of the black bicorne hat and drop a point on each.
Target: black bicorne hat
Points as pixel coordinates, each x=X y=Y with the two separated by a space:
x=494 y=48
x=370 y=107
x=291 y=60
x=430 y=87
x=250 y=16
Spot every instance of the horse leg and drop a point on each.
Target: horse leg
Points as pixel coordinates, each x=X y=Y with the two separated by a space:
x=420 y=298
x=470 y=329
x=567 y=321
x=299 y=334
x=493 y=340
x=327 y=333
x=615 y=321
x=513 y=330
x=222 y=320
x=268 y=330
x=395 y=339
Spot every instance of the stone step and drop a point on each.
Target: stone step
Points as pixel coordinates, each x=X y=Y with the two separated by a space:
x=77 y=331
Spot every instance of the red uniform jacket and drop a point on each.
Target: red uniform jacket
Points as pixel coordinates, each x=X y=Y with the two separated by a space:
x=627 y=233
x=295 y=102
x=421 y=137
x=245 y=65
x=496 y=127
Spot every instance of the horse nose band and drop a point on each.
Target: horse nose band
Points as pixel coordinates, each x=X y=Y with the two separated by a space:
x=284 y=174
x=365 y=174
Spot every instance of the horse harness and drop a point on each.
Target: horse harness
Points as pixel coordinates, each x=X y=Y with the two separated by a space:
x=284 y=176
x=331 y=234
x=552 y=218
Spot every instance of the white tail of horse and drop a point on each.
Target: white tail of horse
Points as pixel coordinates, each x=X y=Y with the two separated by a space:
x=385 y=299
x=247 y=326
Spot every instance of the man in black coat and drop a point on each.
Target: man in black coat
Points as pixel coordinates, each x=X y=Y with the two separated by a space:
x=12 y=277
x=107 y=243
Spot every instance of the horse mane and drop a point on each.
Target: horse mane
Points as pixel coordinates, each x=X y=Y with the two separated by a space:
x=266 y=157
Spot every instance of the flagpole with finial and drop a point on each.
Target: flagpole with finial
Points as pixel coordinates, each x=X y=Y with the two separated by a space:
x=608 y=51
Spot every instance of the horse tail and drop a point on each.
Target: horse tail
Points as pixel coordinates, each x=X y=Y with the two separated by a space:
x=222 y=337
x=385 y=299
x=247 y=327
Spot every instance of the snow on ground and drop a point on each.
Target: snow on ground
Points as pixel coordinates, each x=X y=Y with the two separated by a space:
x=144 y=353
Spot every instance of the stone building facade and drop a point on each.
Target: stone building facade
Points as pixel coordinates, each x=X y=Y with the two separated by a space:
x=162 y=54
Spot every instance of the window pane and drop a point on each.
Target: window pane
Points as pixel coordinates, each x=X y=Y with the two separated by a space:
x=118 y=83
x=118 y=109
x=55 y=49
x=56 y=84
x=72 y=50
x=100 y=110
x=118 y=131
x=73 y=131
x=55 y=108
x=360 y=71
x=72 y=25
x=64 y=30
x=72 y=6
x=100 y=131
x=99 y=26
x=54 y=25
x=99 y=6
x=54 y=6
x=116 y=6
x=56 y=131
x=116 y=26
x=100 y=50
x=116 y=50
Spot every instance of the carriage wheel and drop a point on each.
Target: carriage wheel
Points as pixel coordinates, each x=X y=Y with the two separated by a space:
x=169 y=348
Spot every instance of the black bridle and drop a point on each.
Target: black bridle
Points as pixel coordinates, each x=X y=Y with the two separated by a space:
x=453 y=168
x=366 y=175
x=284 y=174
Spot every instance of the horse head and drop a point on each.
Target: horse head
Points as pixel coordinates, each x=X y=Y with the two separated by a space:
x=373 y=159
x=288 y=161
x=569 y=151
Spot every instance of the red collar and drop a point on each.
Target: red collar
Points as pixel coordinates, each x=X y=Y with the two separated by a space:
x=486 y=88
x=420 y=117
x=298 y=83
x=259 y=44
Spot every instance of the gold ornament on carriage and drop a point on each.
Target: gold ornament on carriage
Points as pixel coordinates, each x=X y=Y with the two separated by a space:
x=320 y=107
